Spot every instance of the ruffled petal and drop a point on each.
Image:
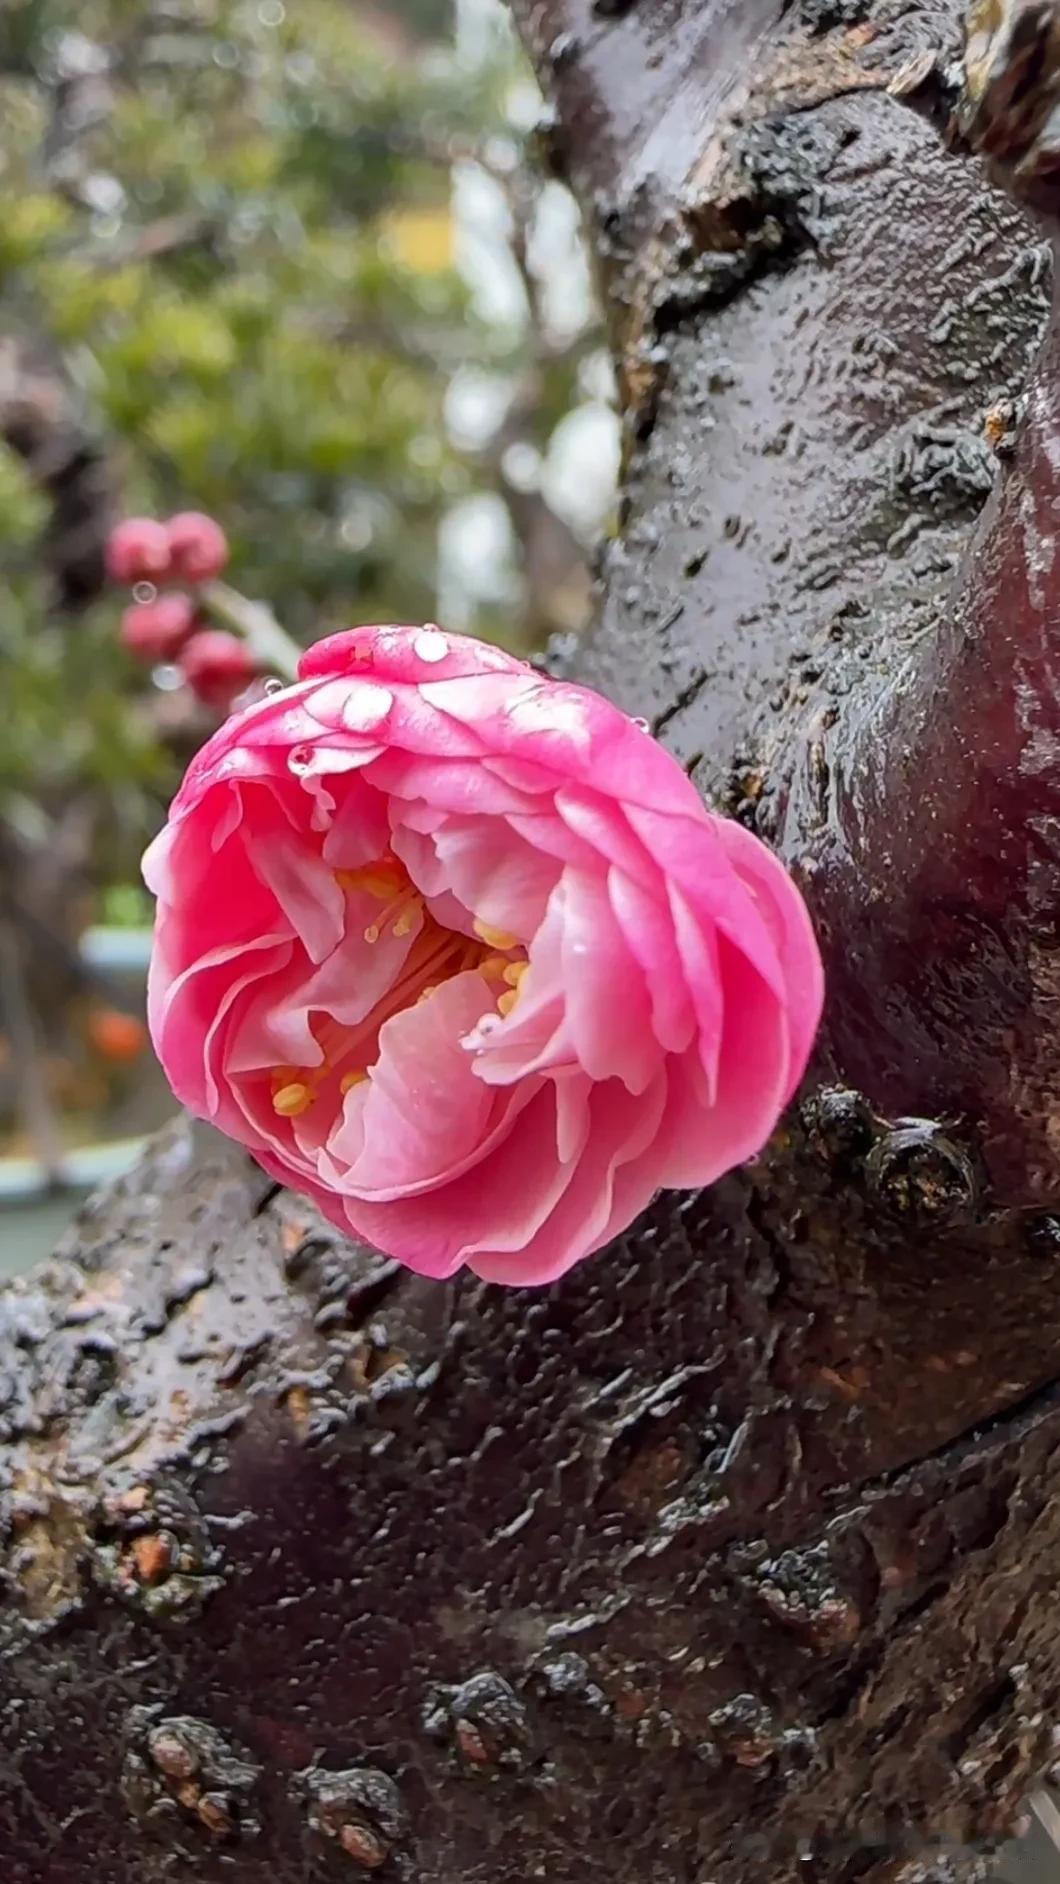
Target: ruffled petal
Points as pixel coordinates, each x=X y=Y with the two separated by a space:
x=424 y=1114
x=621 y=1131
x=389 y=652
x=496 y=874
x=535 y=1037
x=607 y=1007
x=500 y=1202
x=460 y=785
x=182 y=1011
x=359 y=832
x=525 y=1111
x=796 y=945
x=690 y=853
x=346 y=986
x=305 y=890
x=708 y=1133
x=697 y=948
x=572 y=732
x=602 y=824
x=648 y=927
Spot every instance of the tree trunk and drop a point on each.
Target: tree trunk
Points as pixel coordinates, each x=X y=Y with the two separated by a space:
x=731 y=1557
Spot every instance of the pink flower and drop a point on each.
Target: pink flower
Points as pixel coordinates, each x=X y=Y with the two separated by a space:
x=457 y=951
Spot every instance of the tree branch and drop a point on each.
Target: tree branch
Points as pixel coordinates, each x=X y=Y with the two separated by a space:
x=936 y=870
x=269 y=643
x=637 y=89
x=732 y=1555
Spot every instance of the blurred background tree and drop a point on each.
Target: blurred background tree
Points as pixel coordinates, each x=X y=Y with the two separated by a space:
x=293 y=265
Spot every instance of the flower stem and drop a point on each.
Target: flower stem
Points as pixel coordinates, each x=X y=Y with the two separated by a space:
x=268 y=642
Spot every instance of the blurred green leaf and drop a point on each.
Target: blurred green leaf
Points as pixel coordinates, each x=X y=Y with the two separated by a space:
x=232 y=222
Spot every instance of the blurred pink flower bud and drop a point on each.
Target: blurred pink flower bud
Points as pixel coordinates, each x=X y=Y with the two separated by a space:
x=156 y=631
x=138 y=551
x=198 y=546
x=217 y=665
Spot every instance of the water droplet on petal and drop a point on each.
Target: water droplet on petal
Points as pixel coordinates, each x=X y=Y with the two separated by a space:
x=430 y=644
x=366 y=706
x=274 y=686
x=643 y=724
x=144 y=592
x=299 y=759
x=476 y=1039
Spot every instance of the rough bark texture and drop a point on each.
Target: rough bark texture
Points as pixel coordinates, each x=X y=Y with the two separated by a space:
x=733 y=1556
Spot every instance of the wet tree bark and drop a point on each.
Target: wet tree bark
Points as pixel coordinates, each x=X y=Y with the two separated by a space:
x=732 y=1557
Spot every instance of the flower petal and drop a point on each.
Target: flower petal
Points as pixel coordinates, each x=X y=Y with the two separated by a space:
x=621 y=1132
x=424 y=1113
x=503 y=1200
x=621 y=990
x=788 y=920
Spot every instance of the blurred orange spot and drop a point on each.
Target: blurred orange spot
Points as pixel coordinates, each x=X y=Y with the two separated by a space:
x=117 y=1036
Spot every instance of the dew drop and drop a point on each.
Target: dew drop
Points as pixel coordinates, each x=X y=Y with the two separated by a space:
x=299 y=759
x=366 y=706
x=643 y=724
x=144 y=592
x=430 y=644
x=486 y=1025
x=273 y=686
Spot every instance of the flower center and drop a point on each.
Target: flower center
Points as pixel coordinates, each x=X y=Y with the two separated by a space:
x=436 y=955
x=389 y=882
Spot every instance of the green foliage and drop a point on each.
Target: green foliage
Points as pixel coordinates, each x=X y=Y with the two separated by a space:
x=229 y=224
x=74 y=718
x=216 y=238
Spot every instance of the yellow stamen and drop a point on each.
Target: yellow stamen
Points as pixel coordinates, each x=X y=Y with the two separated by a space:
x=514 y=972
x=493 y=966
x=437 y=952
x=507 y=1002
x=381 y=880
x=404 y=906
x=494 y=938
